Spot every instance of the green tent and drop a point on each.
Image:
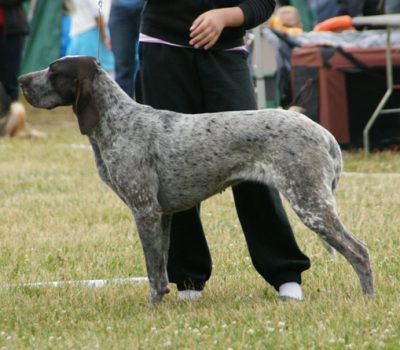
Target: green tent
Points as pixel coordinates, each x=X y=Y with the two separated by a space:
x=43 y=42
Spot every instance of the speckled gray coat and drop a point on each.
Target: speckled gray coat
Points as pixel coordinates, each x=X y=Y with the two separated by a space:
x=161 y=162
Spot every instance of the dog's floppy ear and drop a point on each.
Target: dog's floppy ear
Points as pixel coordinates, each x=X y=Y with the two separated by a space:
x=85 y=107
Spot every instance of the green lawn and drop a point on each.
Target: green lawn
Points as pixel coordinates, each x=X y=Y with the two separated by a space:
x=60 y=222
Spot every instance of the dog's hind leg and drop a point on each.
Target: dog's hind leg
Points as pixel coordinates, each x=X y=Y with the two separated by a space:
x=316 y=209
x=153 y=228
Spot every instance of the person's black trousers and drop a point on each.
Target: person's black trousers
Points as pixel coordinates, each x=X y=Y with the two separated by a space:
x=11 y=47
x=197 y=81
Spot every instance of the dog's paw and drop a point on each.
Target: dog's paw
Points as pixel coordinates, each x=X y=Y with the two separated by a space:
x=157 y=296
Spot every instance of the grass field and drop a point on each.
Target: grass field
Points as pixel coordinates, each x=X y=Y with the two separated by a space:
x=60 y=222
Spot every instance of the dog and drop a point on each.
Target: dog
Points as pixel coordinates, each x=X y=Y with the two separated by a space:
x=160 y=162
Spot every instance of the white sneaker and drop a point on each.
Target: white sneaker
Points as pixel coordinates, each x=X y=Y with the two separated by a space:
x=189 y=294
x=290 y=291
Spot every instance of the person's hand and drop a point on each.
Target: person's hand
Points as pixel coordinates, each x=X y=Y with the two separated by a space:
x=107 y=43
x=207 y=28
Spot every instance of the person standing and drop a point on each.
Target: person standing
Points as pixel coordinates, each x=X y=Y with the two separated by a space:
x=323 y=9
x=89 y=32
x=13 y=30
x=355 y=8
x=124 y=33
x=193 y=60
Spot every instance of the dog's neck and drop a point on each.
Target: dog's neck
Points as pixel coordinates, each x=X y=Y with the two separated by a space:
x=108 y=95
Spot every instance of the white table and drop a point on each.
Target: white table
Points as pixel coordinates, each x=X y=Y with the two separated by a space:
x=388 y=21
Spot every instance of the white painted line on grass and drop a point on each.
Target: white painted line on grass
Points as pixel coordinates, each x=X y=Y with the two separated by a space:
x=86 y=283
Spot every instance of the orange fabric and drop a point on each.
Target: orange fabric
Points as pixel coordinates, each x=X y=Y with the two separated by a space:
x=275 y=23
x=334 y=23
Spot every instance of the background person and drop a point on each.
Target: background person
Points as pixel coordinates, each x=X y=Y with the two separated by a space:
x=124 y=30
x=355 y=8
x=286 y=19
x=13 y=30
x=88 y=25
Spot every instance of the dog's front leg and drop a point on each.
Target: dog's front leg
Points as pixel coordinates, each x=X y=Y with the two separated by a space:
x=153 y=228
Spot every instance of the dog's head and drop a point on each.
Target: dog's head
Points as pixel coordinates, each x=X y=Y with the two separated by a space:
x=67 y=81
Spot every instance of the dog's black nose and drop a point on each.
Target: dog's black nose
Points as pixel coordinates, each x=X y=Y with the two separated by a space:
x=24 y=79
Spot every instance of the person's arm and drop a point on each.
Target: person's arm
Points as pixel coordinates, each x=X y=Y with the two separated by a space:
x=207 y=28
x=97 y=13
x=102 y=29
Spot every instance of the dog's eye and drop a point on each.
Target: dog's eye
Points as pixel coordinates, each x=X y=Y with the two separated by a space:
x=51 y=69
x=50 y=74
x=54 y=68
